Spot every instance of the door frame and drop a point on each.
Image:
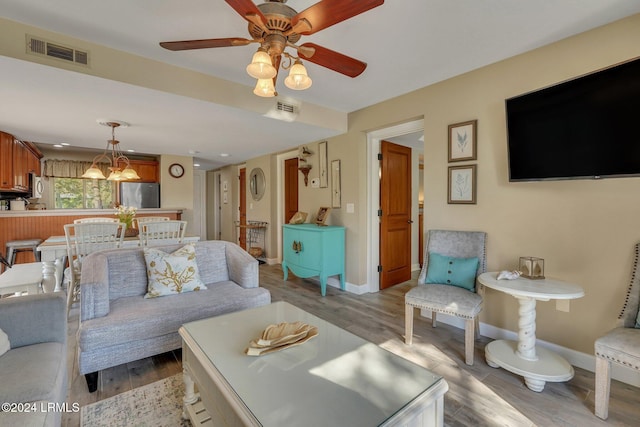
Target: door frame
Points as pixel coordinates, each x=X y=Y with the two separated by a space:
x=373 y=193
x=280 y=200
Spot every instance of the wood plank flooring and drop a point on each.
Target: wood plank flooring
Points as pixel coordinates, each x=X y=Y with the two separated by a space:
x=478 y=395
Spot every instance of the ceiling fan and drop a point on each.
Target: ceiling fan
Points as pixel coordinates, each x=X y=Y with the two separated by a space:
x=276 y=26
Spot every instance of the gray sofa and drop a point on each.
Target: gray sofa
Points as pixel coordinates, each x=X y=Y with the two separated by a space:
x=34 y=370
x=118 y=325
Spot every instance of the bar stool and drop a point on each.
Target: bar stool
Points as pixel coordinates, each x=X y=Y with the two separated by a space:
x=15 y=246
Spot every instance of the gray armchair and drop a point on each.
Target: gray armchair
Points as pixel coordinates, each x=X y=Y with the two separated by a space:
x=620 y=345
x=450 y=298
x=34 y=370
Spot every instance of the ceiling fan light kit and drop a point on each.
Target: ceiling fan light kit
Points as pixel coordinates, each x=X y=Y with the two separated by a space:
x=298 y=78
x=265 y=88
x=117 y=173
x=261 y=67
x=275 y=27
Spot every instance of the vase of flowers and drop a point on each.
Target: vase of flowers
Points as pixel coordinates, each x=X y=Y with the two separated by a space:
x=126 y=214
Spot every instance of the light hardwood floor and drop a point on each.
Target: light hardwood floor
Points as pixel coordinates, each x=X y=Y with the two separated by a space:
x=478 y=395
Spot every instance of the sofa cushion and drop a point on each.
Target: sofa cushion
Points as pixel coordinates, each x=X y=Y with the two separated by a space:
x=172 y=273
x=35 y=372
x=137 y=318
x=4 y=343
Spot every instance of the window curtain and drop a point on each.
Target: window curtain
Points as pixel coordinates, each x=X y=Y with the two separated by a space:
x=70 y=168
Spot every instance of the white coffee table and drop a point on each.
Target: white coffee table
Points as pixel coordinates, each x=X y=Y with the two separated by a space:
x=21 y=277
x=335 y=379
x=536 y=364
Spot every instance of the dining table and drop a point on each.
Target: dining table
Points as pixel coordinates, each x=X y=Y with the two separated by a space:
x=53 y=254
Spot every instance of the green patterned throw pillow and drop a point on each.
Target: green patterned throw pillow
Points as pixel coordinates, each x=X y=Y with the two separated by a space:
x=174 y=273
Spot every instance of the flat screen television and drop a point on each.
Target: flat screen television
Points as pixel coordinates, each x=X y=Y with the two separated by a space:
x=585 y=128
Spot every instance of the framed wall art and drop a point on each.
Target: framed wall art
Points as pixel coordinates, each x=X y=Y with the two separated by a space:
x=336 y=184
x=462 y=185
x=463 y=141
x=322 y=158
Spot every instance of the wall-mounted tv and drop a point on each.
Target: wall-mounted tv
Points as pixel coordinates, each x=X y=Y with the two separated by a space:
x=586 y=128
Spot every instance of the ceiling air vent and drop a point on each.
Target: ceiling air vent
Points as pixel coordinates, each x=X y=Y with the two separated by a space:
x=287 y=108
x=43 y=47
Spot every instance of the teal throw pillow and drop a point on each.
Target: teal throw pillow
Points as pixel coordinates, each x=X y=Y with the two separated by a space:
x=638 y=320
x=446 y=270
x=174 y=273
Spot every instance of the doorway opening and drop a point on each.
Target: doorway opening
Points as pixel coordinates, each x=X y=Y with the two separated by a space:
x=374 y=138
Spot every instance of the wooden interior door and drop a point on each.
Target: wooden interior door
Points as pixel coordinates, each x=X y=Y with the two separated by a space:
x=290 y=188
x=242 y=207
x=395 y=219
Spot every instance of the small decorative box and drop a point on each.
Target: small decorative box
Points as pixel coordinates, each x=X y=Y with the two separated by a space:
x=531 y=267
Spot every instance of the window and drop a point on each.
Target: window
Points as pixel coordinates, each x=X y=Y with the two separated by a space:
x=77 y=193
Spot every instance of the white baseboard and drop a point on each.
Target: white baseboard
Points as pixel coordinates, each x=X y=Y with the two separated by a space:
x=575 y=358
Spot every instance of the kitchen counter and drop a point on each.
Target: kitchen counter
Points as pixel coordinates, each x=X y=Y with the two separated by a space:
x=86 y=212
x=40 y=224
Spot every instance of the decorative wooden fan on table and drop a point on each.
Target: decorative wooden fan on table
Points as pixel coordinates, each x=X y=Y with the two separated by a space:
x=276 y=26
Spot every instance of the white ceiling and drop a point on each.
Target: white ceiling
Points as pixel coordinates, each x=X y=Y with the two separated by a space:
x=407 y=44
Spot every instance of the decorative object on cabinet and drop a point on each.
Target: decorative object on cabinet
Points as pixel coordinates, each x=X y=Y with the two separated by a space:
x=176 y=170
x=117 y=157
x=336 y=184
x=256 y=183
x=298 y=218
x=531 y=267
x=322 y=215
x=322 y=159
x=462 y=184
x=463 y=141
x=314 y=251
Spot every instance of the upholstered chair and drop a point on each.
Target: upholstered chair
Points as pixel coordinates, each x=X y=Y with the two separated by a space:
x=447 y=283
x=620 y=345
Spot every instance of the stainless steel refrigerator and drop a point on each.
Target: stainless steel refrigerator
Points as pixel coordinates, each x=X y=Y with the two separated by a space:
x=140 y=194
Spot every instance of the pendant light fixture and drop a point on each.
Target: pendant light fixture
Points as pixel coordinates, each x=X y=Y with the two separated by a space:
x=120 y=166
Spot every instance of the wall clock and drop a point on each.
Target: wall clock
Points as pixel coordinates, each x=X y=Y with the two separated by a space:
x=176 y=170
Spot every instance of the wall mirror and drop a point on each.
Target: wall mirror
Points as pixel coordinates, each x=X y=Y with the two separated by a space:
x=256 y=183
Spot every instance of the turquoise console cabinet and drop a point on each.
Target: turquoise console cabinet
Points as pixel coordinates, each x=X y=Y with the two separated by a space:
x=311 y=250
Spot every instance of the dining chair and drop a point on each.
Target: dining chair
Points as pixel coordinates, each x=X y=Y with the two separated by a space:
x=97 y=219
x=447 y=283
x=162 y=232
x=139 y=220
x=83 y=239
x=621 y=345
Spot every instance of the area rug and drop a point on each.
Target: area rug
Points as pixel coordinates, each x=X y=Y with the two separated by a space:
x=158 y=404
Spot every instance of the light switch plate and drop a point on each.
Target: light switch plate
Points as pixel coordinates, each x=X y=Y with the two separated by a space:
x=351 y=208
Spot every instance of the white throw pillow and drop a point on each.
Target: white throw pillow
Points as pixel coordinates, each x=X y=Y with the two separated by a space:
x=174 y=273
x=5 y=345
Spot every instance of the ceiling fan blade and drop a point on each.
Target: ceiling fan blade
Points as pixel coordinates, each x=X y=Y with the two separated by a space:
x=249 y=11
x=326 y=13
x=332 y=60
x=205 y=44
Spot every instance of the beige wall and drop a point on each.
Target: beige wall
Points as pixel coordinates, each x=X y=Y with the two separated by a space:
x=584 y=229
x=177 y=192
x=260 y=210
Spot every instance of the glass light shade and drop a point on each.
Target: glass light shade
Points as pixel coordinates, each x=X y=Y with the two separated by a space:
x=115 y=176
x=129 y=173
x=298 y=78
x=93 y=173
x=261 y=67
x=265 y=88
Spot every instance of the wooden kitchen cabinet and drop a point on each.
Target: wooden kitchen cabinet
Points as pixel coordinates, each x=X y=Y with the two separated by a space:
x=6 y=161
x=147 y=170
x=17 y=160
